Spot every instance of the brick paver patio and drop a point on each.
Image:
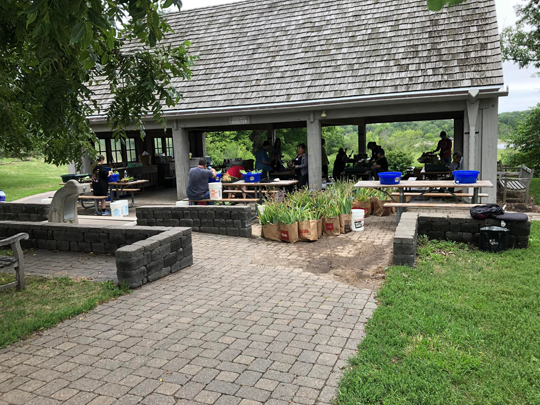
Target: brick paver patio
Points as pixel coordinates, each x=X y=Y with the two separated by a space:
x=246 y=324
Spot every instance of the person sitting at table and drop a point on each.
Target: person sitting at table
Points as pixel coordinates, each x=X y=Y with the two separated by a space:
x=301 y=166
x=380 y=165
x=197 y=188
x=277 y=166
x=100 y=182
x=234 y=171
x=374 y=151
x=456 y=161
x=262 y=161
x=339 y=164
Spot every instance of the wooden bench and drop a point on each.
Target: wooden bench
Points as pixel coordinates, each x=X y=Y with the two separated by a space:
x=127 y=190
x=428 y=205
x=94 y=198
x=16 y=262
x=250 y=191
x=441 y=195
x=520 y=182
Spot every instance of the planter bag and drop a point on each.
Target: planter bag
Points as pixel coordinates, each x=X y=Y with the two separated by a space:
x=308 y=230
x=331 y=226
x=289 y=233
x=271 y=232
x=365 y=205
x=345 y=223
x=388 y=211
x=378 y=207
x=320 y=228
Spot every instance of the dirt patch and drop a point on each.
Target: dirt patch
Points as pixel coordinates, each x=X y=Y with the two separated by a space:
x=358 y=259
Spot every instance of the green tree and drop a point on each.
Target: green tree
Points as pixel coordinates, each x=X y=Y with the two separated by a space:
x=526 y=142
x=51 y=51
x=521 y=43
x=437 y=5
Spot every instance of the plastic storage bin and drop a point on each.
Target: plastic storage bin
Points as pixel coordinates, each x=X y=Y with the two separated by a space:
x=68 y=177
x=252 y=177
x=217 y=179
x=2 y=196
x=113 y=178
x=125 y=207
x=390 y=177
x=466 y=176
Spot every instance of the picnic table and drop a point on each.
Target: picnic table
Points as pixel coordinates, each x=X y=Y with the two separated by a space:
x=258 y=189
x=427 y=188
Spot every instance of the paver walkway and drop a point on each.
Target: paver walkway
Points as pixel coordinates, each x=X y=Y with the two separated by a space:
x=232 y=329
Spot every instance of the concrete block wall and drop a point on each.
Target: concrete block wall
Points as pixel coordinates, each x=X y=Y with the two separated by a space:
x=405 y=240
x=458 y=227
x=167 y=250
x=217 y=219
x=24 y=212
x=154 y=257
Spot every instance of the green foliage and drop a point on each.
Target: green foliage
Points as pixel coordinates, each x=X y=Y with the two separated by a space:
x=399 y=161
x=526 y=142
x=521 y=43
x=45 y=302
x=437 y=5
x=51 y=51
x=229 y=145
x=461 y=328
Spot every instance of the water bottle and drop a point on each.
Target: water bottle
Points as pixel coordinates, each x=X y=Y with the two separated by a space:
x=2 y=196
x=125 y=174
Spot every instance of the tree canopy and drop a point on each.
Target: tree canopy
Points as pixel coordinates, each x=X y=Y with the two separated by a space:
x=526 y=142
x=521 y=43
x=51 y=51
x=437 y=5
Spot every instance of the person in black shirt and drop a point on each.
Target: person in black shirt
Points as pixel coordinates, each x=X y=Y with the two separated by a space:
x=375 y=149
x=100 y=182
x=339 y=164
x=380 y=165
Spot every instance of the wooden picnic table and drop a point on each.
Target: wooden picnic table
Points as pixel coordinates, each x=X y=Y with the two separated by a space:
x=125 y=187
x=425 y=187
x=259 y=188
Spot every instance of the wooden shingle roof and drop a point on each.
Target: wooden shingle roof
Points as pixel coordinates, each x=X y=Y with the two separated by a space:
x=261 y=52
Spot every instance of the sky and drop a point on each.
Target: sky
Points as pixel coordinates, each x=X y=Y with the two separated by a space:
x=524 y=89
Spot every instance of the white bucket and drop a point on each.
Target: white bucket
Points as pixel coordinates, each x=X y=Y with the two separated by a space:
x=215 y=191
x=357 y=219
x=46 y=201
x=116 y=209
x=125 y=207
x=182 y=203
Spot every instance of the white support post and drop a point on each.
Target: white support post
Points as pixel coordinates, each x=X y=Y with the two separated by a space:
x=314 y=151
x=490 y=134
x=181 y=160
x=472 y=114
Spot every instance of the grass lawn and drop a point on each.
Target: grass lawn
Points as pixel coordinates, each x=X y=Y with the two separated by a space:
x=22 y=179
x=461 y=328
x=535 y=190
x=45 y=302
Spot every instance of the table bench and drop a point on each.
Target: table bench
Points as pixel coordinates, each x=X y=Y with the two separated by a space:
x=14 y=263
x=482 y=195
x=428 y=205
x=239 y=200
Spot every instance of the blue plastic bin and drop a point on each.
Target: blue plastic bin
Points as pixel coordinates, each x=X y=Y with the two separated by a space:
x=113 y=178
x=250 y=177
x=390 y=177
x=217 y=179
x=466 y=176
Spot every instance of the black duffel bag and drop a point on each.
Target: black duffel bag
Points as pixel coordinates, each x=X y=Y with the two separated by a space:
x=486 y=211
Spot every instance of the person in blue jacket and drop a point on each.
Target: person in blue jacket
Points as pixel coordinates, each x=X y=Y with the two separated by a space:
x=262 y=161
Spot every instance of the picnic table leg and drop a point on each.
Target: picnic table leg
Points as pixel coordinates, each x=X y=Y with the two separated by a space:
x=401 y=200
x=475 y=196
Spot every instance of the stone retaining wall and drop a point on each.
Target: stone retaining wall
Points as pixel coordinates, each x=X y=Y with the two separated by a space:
x=457 y=227
x=217 y=219
x=23 y=212
x=143 y=254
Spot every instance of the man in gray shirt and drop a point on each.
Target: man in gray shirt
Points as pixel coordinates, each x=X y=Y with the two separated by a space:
x=197 y=188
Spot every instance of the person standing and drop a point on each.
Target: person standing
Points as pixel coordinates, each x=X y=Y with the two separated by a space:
x=197 y=188
x=445 y=146
x=262 y=161
x=301 y=166
x=324 y=159
x=339 y=164
x=100 y=182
